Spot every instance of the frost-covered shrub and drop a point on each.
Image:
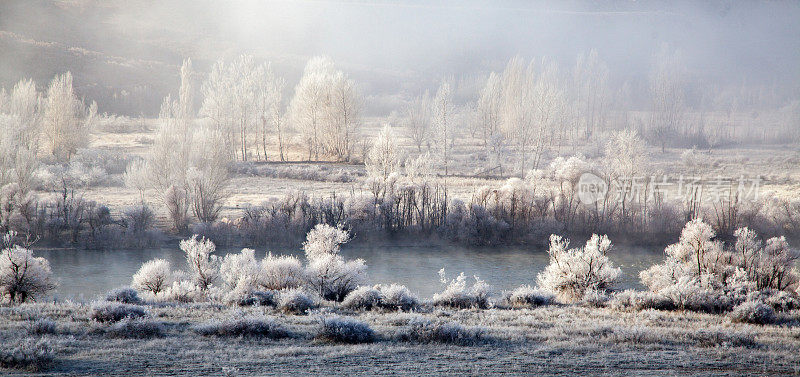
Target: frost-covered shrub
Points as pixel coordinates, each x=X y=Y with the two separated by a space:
x=42 y=327
x=22 y=276
x=125 y=295
x=28 y=354
x=136 y=328
x=114 y=312
x=526 y=296
x=782 y=301
x=327 y=272
x=397 y=297
x=637 y=300
x=427 y=331
x=259 y=298
x=244 y=327
x=753 y=312
x=182 y=291
x=344 y=330
x=701 y=273
x=324 y=239
x=154 y=276
x=333 y=277
x=295 y=301
x=281 y=272
x=594 y=298
x=573 y=272
x=202 y=265
x=241 y=274
x=363 y=298
x=457 y=295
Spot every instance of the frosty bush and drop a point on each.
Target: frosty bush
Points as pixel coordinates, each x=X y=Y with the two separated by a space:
x=701 y=273
x=324 y=239
x=457 y=295
x=636 y=300
x=241 y=274
x=153 y=277
x=397 y=297
x=202 y=265
x=363 y=298
x=525 y=296
x=135 y=328
x=244 y=327
x=183 y=291
x=327 y=272
x=295 y=301
x=114 y=312
x=42 y=327
x=281 y=272
x=259 y=298
x=23 y=277
x=124 y=295
x=344 y=330
x=427 y=331
x=753 y=312
x=28 y=354
x=573 y=272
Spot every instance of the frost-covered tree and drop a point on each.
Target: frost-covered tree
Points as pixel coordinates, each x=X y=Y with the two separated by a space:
x=590 y=80
x=269 y=98
x=231 y=99
x=383 y=158
x=203 y=267
x=325 y=109
x=667 y=95
x=23 y=276
x=487 y=111
x=66 y=120
x=307 y=109
x=154 y=276
x=418 y=121
x=573 y=273
x=343 y=117
x=444 y=122
x=327 y=272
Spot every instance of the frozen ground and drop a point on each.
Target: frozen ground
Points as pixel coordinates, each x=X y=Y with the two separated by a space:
x=552 y=340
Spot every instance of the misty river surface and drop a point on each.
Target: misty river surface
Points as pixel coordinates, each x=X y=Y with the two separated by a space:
x=84 y=275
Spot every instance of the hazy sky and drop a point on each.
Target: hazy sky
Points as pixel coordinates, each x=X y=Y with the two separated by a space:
x=398 y=46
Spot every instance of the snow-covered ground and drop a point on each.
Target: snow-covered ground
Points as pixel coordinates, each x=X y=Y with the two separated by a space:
x=550 y=340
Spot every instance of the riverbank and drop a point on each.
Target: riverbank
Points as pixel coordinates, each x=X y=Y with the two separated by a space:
x=549 y=340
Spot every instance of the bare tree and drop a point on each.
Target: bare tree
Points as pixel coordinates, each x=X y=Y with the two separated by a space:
x=418 y=121
x=307 y=109
x=590 y=80
x=344 y=113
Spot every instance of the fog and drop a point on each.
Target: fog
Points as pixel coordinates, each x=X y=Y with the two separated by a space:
x=126 y=54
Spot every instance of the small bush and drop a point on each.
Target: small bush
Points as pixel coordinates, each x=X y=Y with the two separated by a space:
x=427 y=331
x=153 y=276
x=42 y=327
x=397 y=297
x=124 y=295
x=594 y=299
x=136 y=328
x=245 y=327
x=295 y=301
x=363 y=298
x=259 y=298
x=783 y=301
x=753 y=312
x=527 y=297
x=115 y=312
x=27 y=355
x=573 y=272
x=344 y=330
x=457 y=295
x=635 y=300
